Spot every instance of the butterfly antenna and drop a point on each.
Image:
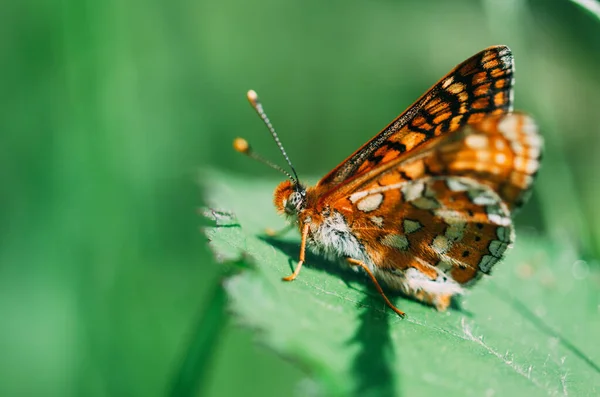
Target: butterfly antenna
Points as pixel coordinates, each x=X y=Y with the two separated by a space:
x=241 y=145
x=255 y=102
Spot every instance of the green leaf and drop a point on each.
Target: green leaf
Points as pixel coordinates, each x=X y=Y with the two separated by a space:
x=531 y=329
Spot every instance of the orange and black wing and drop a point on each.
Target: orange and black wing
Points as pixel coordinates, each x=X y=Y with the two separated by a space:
x=501 y=151
x=478 y=87
x=450 y=229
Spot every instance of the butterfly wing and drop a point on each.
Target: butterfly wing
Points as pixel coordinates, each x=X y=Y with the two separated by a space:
x=429 y=237
x=480 y=86
x=501 y=151
x=442 y=218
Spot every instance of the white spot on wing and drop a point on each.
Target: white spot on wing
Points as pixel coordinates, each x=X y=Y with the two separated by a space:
x=480 y=197
x=411 y=226
x=506 y=61
x=486 y=263
x=396 y=241
x=441 y=244
x=418 y=281
x=447 y=82
x=532 y=166
x=456 y=223
x=426 y=203
x=529 y=126
x=449 y=216
x=477 y=141
x=497 y=248
x=503 y=234
x=508 y=126
x=456 y=185
x=517 y=148
x=370 y=203
x=534 y=151
x=455 y=231
x=455 y=88
x=412 y=191
x=498 y=219
x=526 y=165
x=357 y=196
x=533 y=140
x=377 y=220
x=500 y=144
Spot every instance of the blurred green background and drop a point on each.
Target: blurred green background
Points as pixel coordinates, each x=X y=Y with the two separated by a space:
x=109 y=109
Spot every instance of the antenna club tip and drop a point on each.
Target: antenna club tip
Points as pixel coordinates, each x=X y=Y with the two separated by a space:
x=252 y=97
x=241 y=145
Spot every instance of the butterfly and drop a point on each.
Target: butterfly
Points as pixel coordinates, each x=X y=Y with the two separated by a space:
x=425 y=206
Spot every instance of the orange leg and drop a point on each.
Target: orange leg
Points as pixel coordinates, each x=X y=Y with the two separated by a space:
x=302 y=250
x=379 y=289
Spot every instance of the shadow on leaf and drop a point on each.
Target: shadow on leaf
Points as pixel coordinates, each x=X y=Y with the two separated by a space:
x=291 y=249
x=372 y=366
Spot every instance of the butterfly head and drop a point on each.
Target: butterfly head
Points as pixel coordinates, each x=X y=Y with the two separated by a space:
x=290 y=198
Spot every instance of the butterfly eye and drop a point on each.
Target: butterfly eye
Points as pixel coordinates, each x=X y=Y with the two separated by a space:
x=295 y=202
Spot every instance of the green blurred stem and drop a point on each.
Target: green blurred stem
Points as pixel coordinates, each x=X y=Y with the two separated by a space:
x=191 y=377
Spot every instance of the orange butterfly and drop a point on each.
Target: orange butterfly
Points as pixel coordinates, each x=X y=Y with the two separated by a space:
x=425 y=206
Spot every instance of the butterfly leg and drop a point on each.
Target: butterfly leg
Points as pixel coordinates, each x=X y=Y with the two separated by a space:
x=302 y=251
x=355 y=262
